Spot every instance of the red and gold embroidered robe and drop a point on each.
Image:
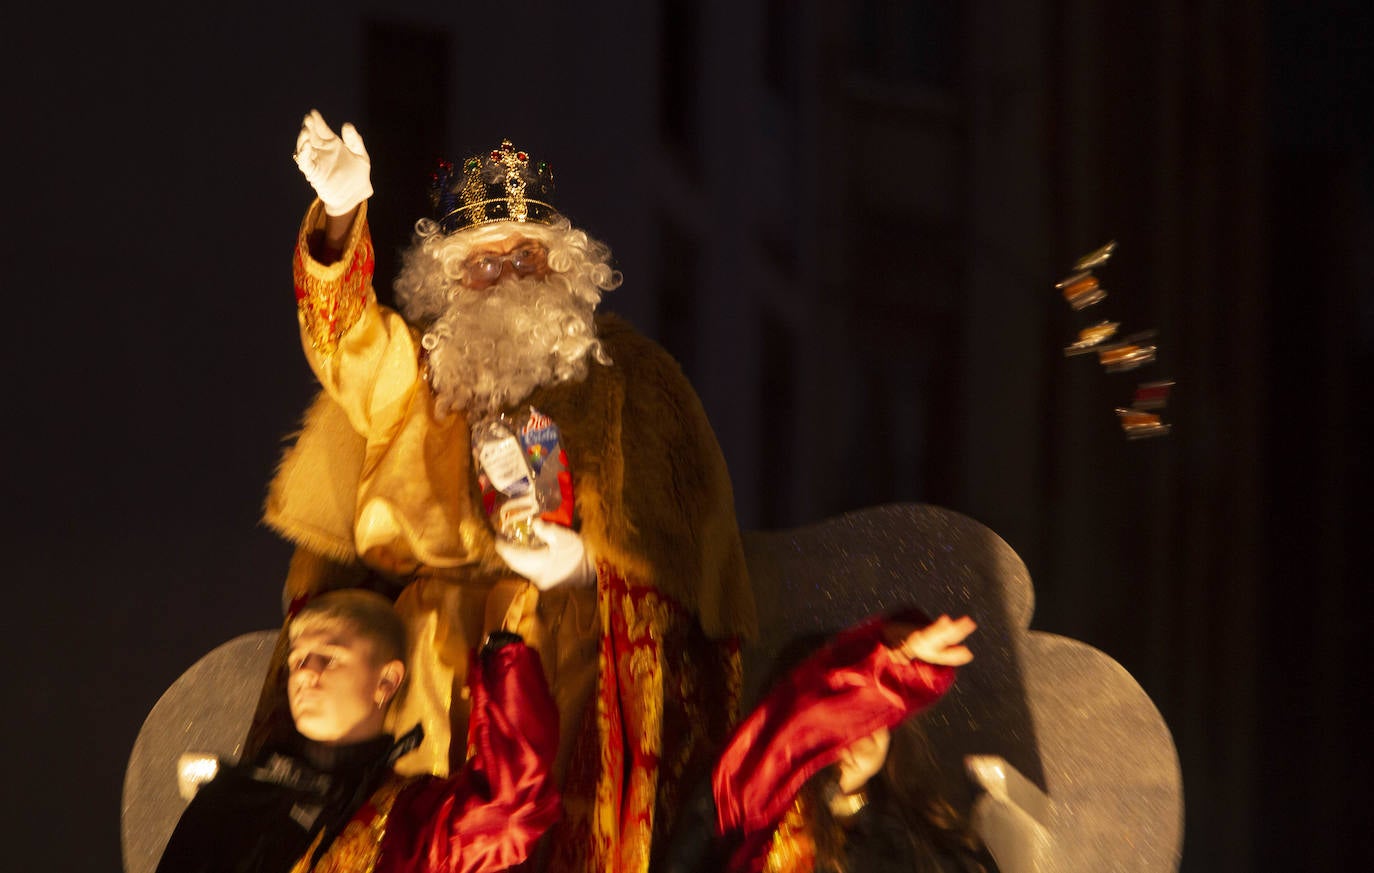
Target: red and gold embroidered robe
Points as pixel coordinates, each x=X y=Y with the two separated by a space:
x=645 y=667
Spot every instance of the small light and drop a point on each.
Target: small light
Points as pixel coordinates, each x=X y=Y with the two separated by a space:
x=194 y=769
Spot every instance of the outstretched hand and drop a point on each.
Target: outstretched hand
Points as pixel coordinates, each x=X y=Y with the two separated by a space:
x=336 y=166
x=940 y=642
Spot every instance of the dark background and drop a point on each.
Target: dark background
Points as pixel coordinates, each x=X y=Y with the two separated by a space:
x=844 y=219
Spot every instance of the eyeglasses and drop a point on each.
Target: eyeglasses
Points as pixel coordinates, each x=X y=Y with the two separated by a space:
x=481 y=270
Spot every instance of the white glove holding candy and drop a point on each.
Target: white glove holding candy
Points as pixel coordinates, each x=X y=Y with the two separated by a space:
x=337 y=167
x=562 y=561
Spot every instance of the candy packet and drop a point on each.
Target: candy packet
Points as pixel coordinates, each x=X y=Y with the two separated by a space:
x=523 y=472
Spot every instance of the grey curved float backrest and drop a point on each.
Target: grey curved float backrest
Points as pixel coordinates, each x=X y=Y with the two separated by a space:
x=1059 y=713
x=208 y=709
x=1064 y=715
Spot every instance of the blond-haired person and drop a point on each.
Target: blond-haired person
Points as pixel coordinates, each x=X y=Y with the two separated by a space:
x=328 y=799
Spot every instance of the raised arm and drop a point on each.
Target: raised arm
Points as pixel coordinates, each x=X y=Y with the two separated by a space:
x=489 y=815
x=858 y=683
x=340 y=171
x=363 y=354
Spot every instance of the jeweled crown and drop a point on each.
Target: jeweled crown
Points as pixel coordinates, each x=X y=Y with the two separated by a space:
x=502 y=185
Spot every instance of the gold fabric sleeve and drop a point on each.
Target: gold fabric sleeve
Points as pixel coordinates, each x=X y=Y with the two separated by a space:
x=374 y=476
x=329 y=297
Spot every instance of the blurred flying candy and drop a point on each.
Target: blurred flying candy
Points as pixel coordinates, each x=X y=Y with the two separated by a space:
x=1139 y=424
x=1089 y=337
x=1081 y=290
x=1125 y=356
x=1152 y=395
x=1096 y=259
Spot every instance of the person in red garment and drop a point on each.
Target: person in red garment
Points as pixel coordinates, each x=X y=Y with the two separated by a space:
x=830 y=773
x=329 y=800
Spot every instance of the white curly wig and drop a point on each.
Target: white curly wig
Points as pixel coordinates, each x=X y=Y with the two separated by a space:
x=490 y=348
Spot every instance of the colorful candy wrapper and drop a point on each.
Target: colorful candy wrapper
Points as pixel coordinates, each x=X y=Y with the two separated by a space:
x=523 y=472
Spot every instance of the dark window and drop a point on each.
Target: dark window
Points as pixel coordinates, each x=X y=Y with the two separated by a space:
x=679 y=50
x=777 y=424
x=678 y=286
x=779 y=53
x=907 y=41
x=406 y=73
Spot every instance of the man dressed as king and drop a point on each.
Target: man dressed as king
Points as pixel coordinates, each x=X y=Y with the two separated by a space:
x=494 y=454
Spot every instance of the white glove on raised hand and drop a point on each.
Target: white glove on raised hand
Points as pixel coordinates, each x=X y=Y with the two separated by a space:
x=563 y=561
x=337 y=167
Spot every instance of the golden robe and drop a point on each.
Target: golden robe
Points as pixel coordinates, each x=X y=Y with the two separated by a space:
x=378 y=490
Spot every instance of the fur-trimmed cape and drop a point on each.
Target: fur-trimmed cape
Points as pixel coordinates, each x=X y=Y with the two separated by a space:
x=652 y=491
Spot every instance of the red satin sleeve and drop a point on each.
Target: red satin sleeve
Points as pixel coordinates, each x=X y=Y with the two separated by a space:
x=488 y=816
x=847 y=690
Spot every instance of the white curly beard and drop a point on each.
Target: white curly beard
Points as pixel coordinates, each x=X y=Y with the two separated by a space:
x=489 y=349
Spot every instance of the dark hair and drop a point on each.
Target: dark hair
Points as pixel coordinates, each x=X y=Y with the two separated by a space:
x=909 y=797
